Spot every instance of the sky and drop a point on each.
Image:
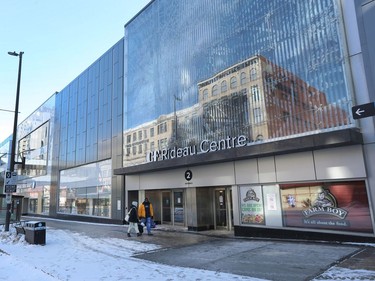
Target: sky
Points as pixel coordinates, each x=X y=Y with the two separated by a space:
x=73 y=256
x=60 y=39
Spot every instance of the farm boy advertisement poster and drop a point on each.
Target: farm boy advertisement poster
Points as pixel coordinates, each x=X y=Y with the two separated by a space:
x=337 y=206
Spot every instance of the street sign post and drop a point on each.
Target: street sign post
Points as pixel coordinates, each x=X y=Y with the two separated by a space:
x=10 y=183
x=363 y=110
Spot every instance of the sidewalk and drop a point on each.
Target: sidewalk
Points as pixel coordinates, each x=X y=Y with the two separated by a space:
x=269 y=259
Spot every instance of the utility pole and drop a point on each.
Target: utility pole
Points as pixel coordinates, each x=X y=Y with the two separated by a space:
x=14 y=140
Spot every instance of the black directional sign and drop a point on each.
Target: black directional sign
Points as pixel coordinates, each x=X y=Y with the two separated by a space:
x=188 y=175
x=10 y=182
x=363 y=110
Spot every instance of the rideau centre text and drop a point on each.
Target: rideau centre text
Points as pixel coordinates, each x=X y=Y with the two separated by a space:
x=205 y=146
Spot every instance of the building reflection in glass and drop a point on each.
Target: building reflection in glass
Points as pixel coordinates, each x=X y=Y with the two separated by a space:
x=254 y=98
x=86 y=190
x=265 y=69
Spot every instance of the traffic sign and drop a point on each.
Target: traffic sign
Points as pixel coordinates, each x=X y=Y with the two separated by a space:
x=10 y=183
x=10 y=188
x=363 y=110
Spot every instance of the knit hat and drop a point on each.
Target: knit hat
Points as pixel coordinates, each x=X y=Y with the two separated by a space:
x=135 y=203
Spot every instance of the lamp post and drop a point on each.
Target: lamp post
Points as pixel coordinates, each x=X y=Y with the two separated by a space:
x=175 y=116
x=14 y=137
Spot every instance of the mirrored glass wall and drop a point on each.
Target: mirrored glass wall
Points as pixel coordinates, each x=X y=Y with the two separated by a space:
x=209 y=70
x=86 y=190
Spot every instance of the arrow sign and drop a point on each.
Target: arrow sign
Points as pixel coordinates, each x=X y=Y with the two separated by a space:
x=363 y=110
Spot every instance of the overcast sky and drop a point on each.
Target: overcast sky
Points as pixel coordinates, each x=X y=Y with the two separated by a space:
x=60 y=39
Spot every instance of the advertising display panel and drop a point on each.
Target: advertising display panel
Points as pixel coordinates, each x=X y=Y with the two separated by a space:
x=251 y=205
x=341 y=206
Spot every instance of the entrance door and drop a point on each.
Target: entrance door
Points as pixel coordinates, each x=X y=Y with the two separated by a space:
x=173 y=207
x=223 y=210
x=166 y=207
x=178 y=207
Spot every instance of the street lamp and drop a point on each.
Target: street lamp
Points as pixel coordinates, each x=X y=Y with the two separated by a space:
x=14 y=137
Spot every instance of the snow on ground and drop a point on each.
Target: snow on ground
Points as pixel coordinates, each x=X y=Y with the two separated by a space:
x=71 y=256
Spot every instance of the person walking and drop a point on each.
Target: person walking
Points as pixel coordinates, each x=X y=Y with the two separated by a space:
x=146 y=214
x=133 y=219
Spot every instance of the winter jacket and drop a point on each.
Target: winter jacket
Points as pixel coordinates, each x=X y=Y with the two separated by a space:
x=133 y=216
x=145 y=210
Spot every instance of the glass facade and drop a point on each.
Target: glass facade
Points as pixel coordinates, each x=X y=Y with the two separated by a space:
x=34 y=143
x=88 y=117
x=86 y=190
x=259 y=69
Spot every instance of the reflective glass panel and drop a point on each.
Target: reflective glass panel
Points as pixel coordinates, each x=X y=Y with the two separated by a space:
x=283 y=61
x=86 y=190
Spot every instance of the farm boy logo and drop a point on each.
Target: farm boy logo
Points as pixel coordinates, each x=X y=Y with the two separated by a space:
x=325 y=204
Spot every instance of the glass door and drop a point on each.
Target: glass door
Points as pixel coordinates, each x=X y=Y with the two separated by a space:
x=166 y=207
x=178 y=207
x=223 y=208
x=220 y=209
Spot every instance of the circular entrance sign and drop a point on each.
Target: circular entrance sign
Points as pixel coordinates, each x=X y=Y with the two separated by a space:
x=188 y=175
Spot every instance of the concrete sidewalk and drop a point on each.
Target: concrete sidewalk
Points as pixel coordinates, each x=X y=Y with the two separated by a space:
x=269 y=259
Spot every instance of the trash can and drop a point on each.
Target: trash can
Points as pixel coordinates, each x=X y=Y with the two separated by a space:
x=35 y=232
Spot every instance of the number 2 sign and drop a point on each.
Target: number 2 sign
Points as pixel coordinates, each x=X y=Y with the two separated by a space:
x=188 y=175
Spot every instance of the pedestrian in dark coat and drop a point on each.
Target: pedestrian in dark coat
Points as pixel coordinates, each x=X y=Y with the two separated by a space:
x=133 y=219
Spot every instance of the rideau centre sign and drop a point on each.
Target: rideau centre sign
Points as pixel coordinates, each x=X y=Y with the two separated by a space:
x=205 y=146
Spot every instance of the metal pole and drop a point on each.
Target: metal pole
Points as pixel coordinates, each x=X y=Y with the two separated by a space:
x=175 y=120
x=14 y=136
x=175 y=116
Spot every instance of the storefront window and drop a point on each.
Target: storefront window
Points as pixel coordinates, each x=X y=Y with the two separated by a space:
x=337 y=206
x=86 y=190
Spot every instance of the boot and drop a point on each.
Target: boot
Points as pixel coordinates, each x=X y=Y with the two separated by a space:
x=129 y=235
x=139 y=234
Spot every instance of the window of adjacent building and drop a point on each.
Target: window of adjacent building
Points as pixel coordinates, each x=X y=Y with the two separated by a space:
x=162 y=143
x=162 y=128
x=152 y=132
x=215 y=90
x=285 y=115
x=152 y=146
x=233 y=82
x=257 y=115
x=224 y=86
x=253 y=74
x=140 y=135
x=128 y=138
x=134 y=136
x=205 y=94
x=243 y=78
x=140 y=149
x=255 y=93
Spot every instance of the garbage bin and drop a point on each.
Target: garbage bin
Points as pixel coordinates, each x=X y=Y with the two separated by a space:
x=35 y=232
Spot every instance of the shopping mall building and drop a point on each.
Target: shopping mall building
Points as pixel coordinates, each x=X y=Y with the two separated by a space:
x=229 y=115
